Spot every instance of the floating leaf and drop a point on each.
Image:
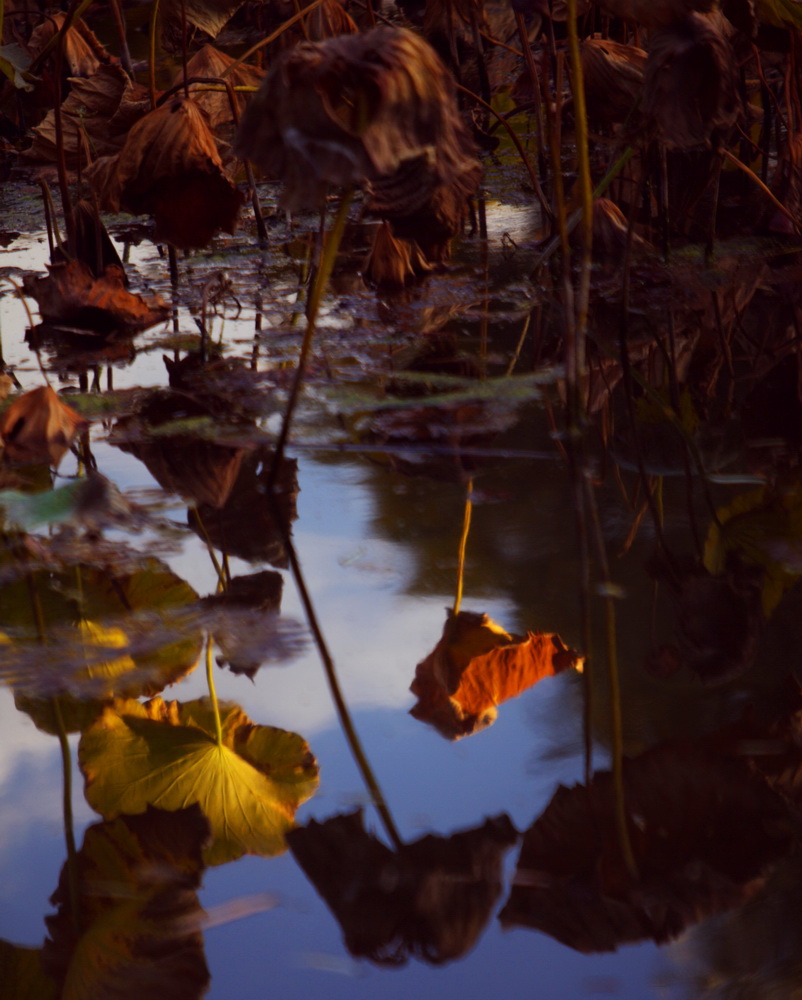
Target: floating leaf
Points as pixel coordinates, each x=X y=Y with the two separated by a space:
x=704 y=833
x=476 y=666
x=164 y=754
x=39 y=428
x=429 y=900
x=140 y=915
x=71 y=294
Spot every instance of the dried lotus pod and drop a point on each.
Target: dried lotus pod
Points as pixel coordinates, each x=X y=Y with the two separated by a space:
x=613 y=76
x=691 y=83
x=654 y=13
x=376 y=108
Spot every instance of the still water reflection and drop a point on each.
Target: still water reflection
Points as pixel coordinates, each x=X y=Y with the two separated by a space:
x=367 y=903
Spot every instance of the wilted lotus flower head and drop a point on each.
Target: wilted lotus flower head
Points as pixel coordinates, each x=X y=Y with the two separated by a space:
x=354 y=109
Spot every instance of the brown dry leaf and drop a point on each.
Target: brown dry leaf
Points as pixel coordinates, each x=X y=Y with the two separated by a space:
x=329 y=20
x=105 y=106
x=654 y=13
x=393 y=263
x=211 y=62
x=83 y=52
x=704 y=833
x=610 y=232
x=38 y=427
x=429 y=900
x=378 y=107
x=691 y=83
x=209 y=16
x=71 y=294
x=476 y=666
x=613 y=79
x=170 y=167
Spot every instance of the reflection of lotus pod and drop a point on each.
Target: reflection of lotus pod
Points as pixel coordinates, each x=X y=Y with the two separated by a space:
x=430 y=899
x=613 y=76
x=363 y=108
x=691 y=83
x=654 y=13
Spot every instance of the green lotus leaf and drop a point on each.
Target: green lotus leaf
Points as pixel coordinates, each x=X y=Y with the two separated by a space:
x=165 y=754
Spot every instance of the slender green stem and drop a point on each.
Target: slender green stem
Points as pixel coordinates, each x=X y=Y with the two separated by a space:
x=463 y=544
x=218 y=727
x=319 y=283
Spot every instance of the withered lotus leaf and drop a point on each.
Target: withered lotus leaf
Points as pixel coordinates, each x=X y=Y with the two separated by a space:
x=211 y=62
x=83 y=52
x=170 y=167
x=72 y=295
x=329 y=20
x=654 y=13
x=428 y=900
x=691 y=82
x=704 y=831
x=376 y=108
x=476 y=666
x=208 y=15
x=104 y=106
x=39 y=428
x=137 y=879
x=613 y=76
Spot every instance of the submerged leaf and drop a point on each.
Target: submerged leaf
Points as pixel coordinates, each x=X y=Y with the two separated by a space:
x=476 y=666
x=39 y=428
x=164 y=754
x=704 y=833
x=137 y=880
x=429 y=900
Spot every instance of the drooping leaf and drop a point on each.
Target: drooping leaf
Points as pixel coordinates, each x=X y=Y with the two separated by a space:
x=141 y=919
x=429 y=900
x=704 y=833
x=39 y=428
x=378 y=107
x=164 y=754
x=170 y=167
x=103 y=106
x=394 y=263
x=208 y=15
x=210 y=62
x=476 y=666
x=83 y=52
x=71 y=294
x=613 y=75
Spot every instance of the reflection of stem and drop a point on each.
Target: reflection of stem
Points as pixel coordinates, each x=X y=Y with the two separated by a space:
x=218 y=728
x=319 y=284
x=221 y=576
x=69 y=835
x=463 y=544
x=331 y=676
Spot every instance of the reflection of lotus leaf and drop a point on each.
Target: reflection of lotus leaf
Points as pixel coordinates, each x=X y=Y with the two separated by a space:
x=164 y=754
x=140 y=915
x=88 y=616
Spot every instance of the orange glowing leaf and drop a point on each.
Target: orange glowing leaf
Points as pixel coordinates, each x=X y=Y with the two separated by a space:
x=476 y=666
